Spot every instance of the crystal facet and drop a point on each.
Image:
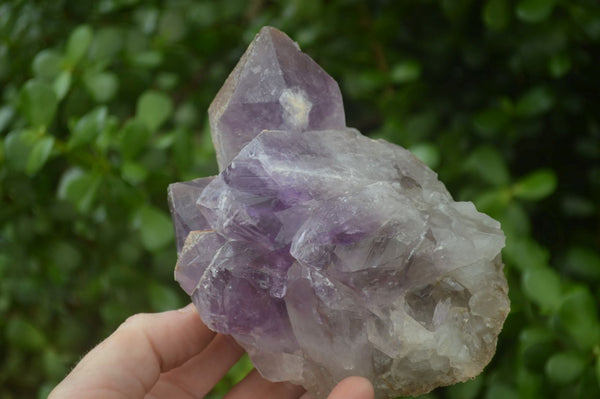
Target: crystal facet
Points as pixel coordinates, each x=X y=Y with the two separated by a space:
x=273 y=86
x=327 y=254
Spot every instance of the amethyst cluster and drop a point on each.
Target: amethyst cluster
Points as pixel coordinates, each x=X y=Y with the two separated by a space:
x=325 y=253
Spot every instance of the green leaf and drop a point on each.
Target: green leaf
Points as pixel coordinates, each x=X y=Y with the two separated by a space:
x=501 y=391
x=496 y=14
x=53 y=364
x=406 y=71
x=6 y=114
x=597 y=369
x=537 y=345
x=490 y=122
x=156 y=229
x=47 y=64
x=167 y=81
x=465 y=390
x=65 y=256
x=46 y=388
x=27 y=150
x=17 y=147
x=153 y=109
x=536 y=185
x=79 y=43
x=492 y=202
x=487 y=163
x=39 y=154
x=163 y=298
x=147 y=59
x=24 y=335
x=133 y=172
x=583 y=262
x=134 y=137
x=526 y=253
x=535 y=102
x=565 y=368
x=38 y=102
x=427 y=153
x=532 y=11
x=559 y=65
x=88 y=128
x=79 y=187
x=102 y=86
x=107 y=43
x=542 y=285
x=171 y=26
x=62 y=84
x=515 y=221
x=578 y=313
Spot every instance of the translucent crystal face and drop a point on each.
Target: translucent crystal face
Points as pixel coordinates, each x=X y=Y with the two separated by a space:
x=274 y=86
x=327 y=254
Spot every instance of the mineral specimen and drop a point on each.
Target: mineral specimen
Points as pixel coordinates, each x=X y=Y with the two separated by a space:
x=327 y=254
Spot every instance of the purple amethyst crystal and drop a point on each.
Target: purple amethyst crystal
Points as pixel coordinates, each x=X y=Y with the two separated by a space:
x=327 y=254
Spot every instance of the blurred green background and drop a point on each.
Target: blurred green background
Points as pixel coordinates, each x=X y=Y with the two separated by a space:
x=103 y=104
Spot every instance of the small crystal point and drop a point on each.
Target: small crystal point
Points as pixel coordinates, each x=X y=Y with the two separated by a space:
x=327 y=254
x=274 y=86
x=182 y=203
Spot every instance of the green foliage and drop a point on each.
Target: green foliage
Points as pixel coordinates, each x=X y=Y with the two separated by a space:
x=103 y=104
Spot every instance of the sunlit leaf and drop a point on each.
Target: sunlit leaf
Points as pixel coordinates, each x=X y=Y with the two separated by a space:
x=62 y=84
x=405 y=72
x=163 y=298
x=39 y=154
x=156 y=229
x=536 y=186
x=488 y=163
x=47 y=64
x=153 y=109
x=102 y=86
x=79 y=43
x=427 y=153
x=80 y=188
x=542 y=285
x=564 y=368
x=535 y=102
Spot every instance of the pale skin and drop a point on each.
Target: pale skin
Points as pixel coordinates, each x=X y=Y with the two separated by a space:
x=174 y=355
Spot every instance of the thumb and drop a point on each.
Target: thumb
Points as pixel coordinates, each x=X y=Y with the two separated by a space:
x=353 y=388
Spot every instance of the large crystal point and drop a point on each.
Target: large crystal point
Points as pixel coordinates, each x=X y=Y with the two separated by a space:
x=273 y=86
x=327 y=254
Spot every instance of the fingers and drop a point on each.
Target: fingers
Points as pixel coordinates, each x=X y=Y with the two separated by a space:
x=353 y=388
x=129 y=362
x=196 y=377
x=350 y=388
x=255 y=386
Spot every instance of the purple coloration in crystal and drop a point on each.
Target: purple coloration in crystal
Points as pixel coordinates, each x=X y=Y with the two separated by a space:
x=182 y=203
x=327 y=254
x=273 y=86
x=198 y=251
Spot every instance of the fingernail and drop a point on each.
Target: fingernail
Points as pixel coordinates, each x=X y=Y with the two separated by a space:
x=187 y=309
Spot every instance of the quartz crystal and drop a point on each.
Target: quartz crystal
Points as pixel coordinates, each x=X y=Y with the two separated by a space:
x=327 y=254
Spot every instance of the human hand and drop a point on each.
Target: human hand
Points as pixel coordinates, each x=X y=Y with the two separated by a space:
x=174 y=355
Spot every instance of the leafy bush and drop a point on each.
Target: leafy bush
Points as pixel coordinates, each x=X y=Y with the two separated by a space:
x=103 y=105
